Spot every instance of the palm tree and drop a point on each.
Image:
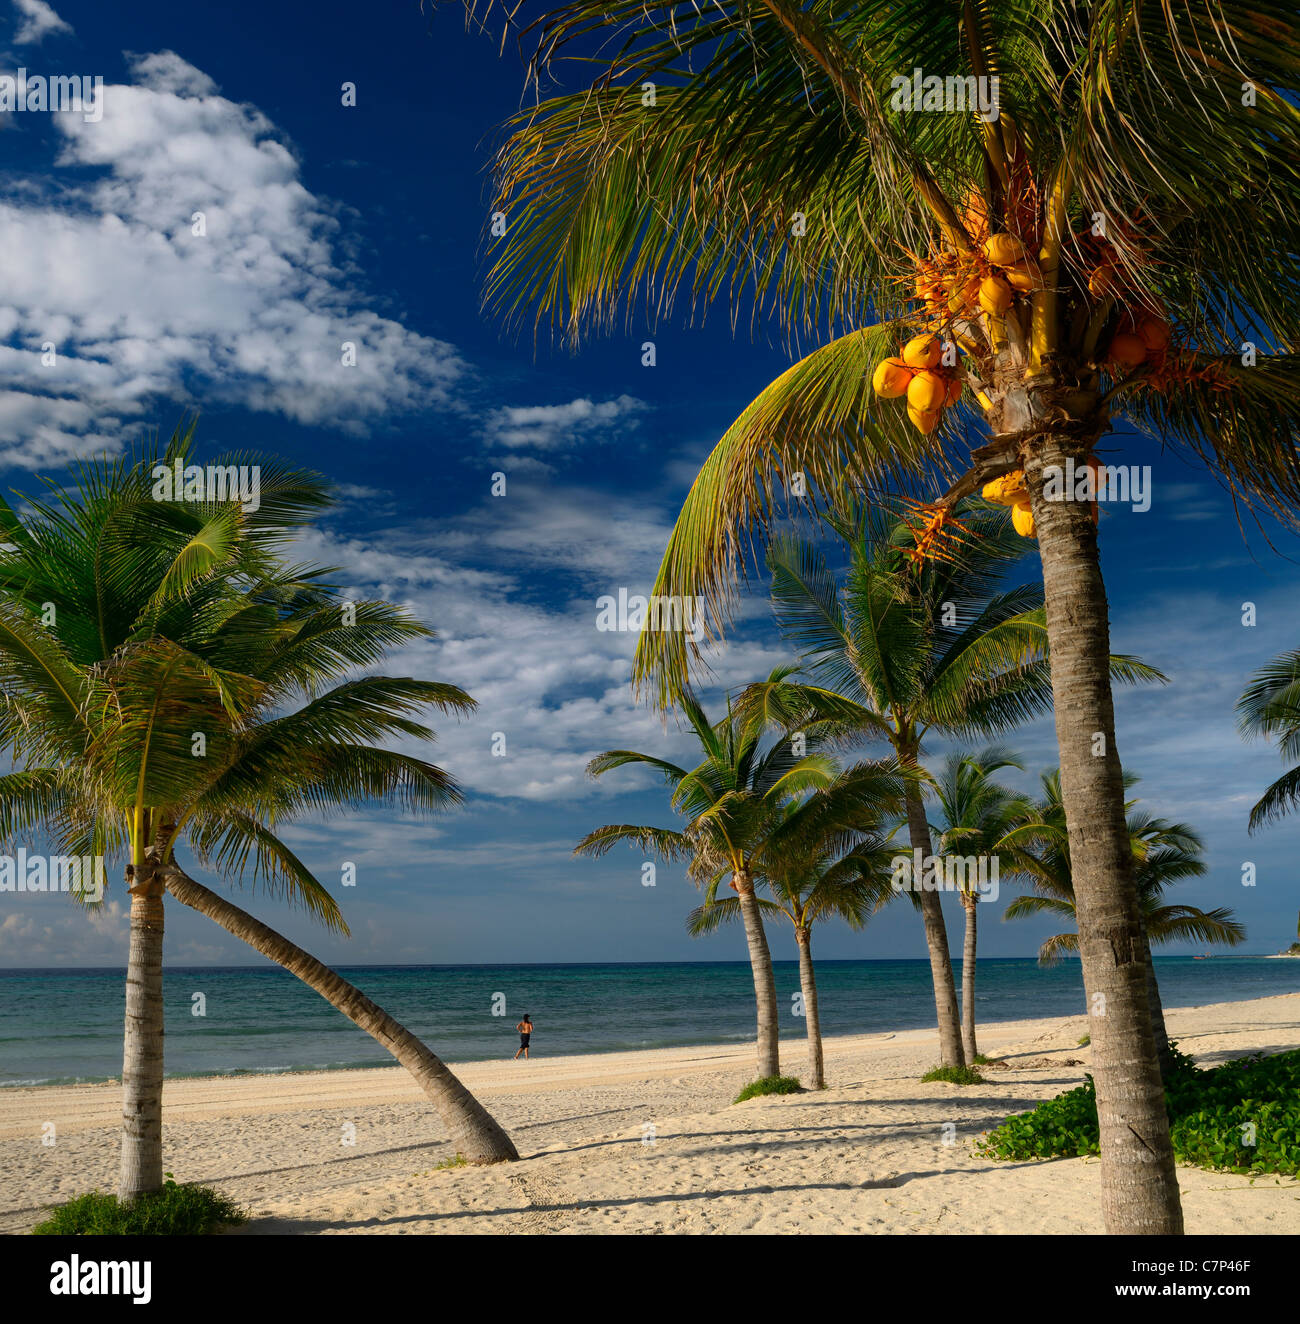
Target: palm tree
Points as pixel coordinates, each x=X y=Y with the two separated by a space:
x=770 y=156
x=733 y=800
x=897 y=652
x=154 y=659
x=1165 y=853
x=819 y=861
x=976 y=812
x=1270 y=707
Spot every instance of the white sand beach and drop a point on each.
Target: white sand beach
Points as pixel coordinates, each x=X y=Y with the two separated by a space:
x=869 y=1154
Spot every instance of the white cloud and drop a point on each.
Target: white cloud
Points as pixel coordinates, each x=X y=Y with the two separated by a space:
x=560 y=427
x=255 y=311
x=50 y=929
x=36 y=21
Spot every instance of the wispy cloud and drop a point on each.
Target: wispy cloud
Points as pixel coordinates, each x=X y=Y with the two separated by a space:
x=36 y=21
x=561 y=427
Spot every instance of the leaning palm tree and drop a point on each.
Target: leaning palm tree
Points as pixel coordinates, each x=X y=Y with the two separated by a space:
x=897 y=652
x=976 y=812
x=733 y=800
x=1164 y=852
x=820 y=861
x=1270 y=707
x=1102 y=225
x=165 y=678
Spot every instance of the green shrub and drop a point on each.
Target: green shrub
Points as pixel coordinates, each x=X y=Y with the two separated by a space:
x=955 y=1076
x=175 y=1211
x=1085 y=1041
x=1063 y=1127
x=769 y=1085
x=1211 y=1118
x=982 y=1060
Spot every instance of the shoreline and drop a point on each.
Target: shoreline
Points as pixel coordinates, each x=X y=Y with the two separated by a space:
x=646 y=1140
x=792 y=1039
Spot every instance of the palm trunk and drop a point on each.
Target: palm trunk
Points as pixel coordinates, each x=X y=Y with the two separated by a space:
x=970 y=904
x=477 y=1136
x=760 y=962
x=1139 y=1182
x=936 y=931
x=808 y=985
x=142 y=1042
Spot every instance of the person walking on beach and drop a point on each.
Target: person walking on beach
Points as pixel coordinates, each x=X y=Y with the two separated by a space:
x=525 y=1028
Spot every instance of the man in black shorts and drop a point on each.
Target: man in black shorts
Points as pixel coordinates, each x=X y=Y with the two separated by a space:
x=525 y=1028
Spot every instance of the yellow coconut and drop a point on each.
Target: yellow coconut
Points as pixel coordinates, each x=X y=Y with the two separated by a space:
x=922 y=351
x=1004 y=250
x=1022 y=519
x=1023 y=276
x=925 y=420
x=1128 y=350
x=891 y=378
x=995 y=295
x=1154 y=333
x=927 y=392
x=1008 y=489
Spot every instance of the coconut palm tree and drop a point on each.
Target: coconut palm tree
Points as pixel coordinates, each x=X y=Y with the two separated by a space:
x=1114 y=237
x=894 y=651
x=1165 y=853
x=165 y=679
x=820 y=862
x=732 y=801
x=1270 y=707
x=975 y=814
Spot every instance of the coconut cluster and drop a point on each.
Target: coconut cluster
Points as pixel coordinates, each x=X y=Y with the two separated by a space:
x=917 y=375
x=988 y=280
x=1140 y=335
x=1138 y=340
x=1010 y=490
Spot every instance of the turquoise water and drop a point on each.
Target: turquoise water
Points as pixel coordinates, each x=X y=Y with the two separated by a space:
x=66 y=1025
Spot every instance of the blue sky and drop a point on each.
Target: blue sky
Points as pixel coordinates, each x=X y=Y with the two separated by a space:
x=366 y=224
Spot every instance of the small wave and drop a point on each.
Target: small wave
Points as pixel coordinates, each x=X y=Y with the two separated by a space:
x=56 y=1080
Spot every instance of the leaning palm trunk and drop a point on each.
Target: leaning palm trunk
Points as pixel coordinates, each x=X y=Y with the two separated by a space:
x=1164 y=1050
x=760 y=961
x=936 y=935
x=477 y=1137
x=971 y=905
x=1139 y=1183
x=808 y=986
x=142 y=1044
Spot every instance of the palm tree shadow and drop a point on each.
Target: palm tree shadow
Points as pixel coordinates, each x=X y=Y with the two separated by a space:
x=298 y=1227
x=307 y=1226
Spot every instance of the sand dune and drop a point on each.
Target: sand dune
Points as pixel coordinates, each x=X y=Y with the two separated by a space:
x=646 y=1142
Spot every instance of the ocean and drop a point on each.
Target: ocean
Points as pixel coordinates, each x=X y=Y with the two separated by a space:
x=63 y=1026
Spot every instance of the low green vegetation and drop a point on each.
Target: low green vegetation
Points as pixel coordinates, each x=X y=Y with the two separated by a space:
x=175 y=1211
x=1085 y=1041
x=955 y=1076
x=1243 y=1116
x=769 y=1085
x=982 y=1060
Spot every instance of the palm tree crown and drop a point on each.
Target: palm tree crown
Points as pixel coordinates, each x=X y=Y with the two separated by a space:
x=1165 y=853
